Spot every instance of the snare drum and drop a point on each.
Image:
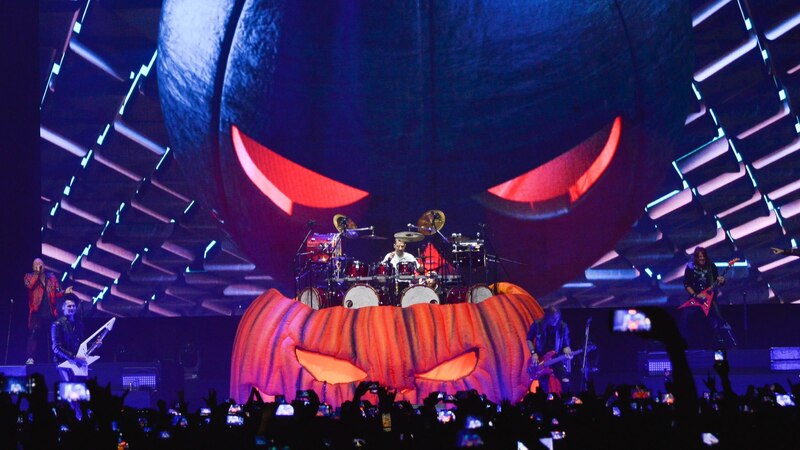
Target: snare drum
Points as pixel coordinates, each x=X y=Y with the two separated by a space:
x=418 y=294
x=406 y=268
x=361 y=295
x=356 y=268
x=318 y=298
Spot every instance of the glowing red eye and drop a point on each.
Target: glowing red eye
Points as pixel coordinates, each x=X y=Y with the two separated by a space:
x=328 y=368
x=567 y=177
x=285 y=182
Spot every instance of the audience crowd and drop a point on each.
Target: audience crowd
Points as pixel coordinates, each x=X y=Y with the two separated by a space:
x=620 y=417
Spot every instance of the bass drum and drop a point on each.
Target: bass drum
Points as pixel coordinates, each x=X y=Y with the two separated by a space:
x=473 y=294
x=311 y=297
x=479 y=293
x=418 y=294
x=360 y=296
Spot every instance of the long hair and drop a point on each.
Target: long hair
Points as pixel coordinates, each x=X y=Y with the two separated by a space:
x=696 y=255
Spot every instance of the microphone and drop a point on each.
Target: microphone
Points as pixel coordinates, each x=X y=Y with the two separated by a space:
x=311 y=223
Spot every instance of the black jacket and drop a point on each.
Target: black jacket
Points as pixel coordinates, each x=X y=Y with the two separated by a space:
x=66 y=336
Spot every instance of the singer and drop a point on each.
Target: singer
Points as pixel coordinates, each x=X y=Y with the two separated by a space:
x=39 y=282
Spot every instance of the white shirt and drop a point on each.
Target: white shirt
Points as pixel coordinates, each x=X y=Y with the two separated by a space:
x=393 y=258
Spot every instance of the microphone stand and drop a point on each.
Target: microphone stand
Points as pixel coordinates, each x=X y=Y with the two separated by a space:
x=584 y=371
x=487 y=243
x=8 y=335
x=296 y=261
x=746 y=331
x=487 y=257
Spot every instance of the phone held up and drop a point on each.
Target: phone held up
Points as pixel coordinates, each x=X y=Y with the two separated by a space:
x=630 y=320
x=73 y=392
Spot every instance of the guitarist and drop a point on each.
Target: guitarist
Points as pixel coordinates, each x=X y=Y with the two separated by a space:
x=700 y=274
x=786 y=251
x=549 y=337
x=67 y=335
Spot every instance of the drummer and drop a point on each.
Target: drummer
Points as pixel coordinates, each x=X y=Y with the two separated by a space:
x=399 y=255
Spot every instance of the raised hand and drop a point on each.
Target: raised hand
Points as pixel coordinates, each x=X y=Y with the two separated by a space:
x=431 y=400
x=722 y=368
x=211 y=400
x=313 y=399
x=386 y=397
x=361 y=389
x=711 y=382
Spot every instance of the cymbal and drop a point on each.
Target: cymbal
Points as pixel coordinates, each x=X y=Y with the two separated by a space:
x=431 y=222
x=342 y=222
x=409 y=236
x=372 y=236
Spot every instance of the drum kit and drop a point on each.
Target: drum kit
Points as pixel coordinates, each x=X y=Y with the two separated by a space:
x=327 y=277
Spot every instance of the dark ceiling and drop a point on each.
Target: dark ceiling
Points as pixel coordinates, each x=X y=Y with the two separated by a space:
x=120 y=220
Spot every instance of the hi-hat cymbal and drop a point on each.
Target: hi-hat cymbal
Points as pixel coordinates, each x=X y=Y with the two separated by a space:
x=431 y=222
x=409 y=236
x=342 y=222
x=372 y=236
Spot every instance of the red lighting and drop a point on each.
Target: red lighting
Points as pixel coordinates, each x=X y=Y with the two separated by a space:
x=571 y=174
x=285 y=182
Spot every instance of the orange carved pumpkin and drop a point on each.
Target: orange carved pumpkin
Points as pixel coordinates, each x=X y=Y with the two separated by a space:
x=282 y=345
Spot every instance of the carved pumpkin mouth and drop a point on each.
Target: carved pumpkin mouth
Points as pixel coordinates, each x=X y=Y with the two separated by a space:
x=552 y=188
x=332 y=370
x=287 y=183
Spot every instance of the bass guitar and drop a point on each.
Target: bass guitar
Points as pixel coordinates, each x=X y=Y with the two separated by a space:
x=710 y=292
x=543 y=368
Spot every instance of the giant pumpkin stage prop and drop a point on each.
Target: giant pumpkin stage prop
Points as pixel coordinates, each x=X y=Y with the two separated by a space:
x=550 y=121
x=282 y=345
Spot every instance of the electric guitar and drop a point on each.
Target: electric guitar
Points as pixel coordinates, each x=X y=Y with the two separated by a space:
x=710 y=293
x=80 y=368
x=543 y=368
